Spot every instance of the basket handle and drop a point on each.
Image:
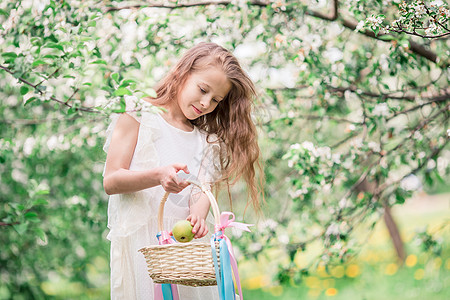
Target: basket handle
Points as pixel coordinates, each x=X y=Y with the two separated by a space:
x=212 y=200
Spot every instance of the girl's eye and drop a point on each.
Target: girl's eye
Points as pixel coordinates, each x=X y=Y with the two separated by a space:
x=215 y=100
x=203 y=91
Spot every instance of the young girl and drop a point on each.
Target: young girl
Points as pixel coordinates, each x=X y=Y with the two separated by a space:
x=206 y=130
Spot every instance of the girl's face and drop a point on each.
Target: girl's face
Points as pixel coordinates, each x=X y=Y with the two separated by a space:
x=202 y=92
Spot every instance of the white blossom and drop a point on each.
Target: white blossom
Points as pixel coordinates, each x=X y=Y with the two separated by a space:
x=431 y=164
x=381 y=109
x=268 y=223
x=283 y=239
x=420 y=10
x=375 y=147
x=437 y=3
x=410 y=183
x=28 y=146
x=291 y=163
x=417 y=135
x=295 y=146
x=333 y=229
x=254 y=247
x=374 y=21
x=308 y=146
x=431 y=29
x=333 y=54
x=336 y=158
x=360 y=25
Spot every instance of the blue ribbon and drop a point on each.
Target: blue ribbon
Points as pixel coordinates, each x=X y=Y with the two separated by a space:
x=224 y=275
x=167 y=291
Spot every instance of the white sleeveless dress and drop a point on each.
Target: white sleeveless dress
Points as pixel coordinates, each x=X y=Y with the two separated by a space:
x=132 y=218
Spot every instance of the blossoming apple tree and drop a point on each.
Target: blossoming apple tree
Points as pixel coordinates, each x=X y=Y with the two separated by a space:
x=353 y=111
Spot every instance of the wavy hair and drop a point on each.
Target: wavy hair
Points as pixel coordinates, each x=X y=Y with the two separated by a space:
x=230 y=121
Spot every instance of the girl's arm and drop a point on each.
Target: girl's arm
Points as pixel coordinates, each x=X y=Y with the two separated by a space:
x=119 y=179
x=198 y=213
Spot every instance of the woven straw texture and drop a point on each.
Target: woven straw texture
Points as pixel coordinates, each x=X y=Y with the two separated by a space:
x=187 y=264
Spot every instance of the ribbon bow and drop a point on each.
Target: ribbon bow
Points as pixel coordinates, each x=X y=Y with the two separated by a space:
x=226 y=221
x=227 y=258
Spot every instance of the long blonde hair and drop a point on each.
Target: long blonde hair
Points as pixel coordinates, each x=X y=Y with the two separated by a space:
x=231 y=119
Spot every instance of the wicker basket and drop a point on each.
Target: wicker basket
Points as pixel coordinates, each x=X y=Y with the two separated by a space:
x=188 y=264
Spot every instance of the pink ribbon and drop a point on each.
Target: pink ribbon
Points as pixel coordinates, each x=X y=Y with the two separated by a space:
x=164 y=239
x=226 y=221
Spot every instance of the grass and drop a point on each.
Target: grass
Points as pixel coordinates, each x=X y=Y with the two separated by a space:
x=374 y=273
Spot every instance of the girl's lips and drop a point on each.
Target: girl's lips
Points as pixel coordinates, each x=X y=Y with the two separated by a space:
x=196 y=110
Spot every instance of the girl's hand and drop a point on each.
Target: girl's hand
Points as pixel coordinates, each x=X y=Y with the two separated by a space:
x=200 y=229
x=169 y=179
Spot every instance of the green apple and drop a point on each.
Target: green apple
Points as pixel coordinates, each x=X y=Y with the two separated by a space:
x=182 y=231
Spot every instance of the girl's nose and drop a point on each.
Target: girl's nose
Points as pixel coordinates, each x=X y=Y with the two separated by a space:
x=205 y=102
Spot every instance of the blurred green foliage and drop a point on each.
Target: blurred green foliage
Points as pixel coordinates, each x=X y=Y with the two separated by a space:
x=353 y=118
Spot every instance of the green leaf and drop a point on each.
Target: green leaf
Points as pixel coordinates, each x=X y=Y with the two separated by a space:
x=9 y=54
x=40 y=233
x=387 y=37
x=40 y=201
x=54 y=46
x=72 y=110
x=43 y=192
x=3 y=12
x=87 y=83
x=24 y=89
x=99 y=62
x=122 y=91
x=122 y=108
x=127 y=82
x=428 y=179
x=438 y=176
x=38 y=62
x=31 y=216
x=376 y=30
x=115 y=77
x=30 y=100
x=51 y=56
x=399 y=197
x=150 y=93
x=69 y=76
x=21 y=228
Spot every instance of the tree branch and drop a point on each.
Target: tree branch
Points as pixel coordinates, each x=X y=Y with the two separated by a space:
x=435 y=152
x=184 y=5
x=26 y=122
x=418 y=127
x=441 y=98
x=8 y=224
x=36 y=88
x=414 y=47
x=401 y=30
x=354 y=89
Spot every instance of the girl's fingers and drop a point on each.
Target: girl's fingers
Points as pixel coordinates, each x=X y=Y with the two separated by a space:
x=196 y=225
x=203 y=230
